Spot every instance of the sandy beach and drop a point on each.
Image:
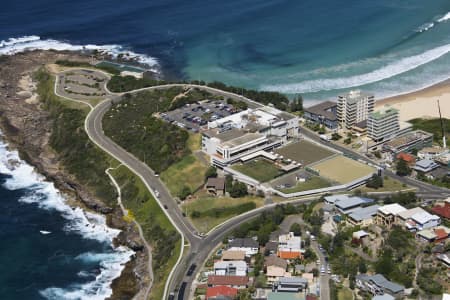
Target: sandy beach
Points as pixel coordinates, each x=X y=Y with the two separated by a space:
x=422 y=103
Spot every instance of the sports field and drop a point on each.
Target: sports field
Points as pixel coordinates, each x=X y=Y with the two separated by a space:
x=342 y=169
x=304 y=152
x=259 y=169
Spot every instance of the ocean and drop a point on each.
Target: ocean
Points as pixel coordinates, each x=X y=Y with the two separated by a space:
x=314 y=48
x=49 y=250
x=317 y=48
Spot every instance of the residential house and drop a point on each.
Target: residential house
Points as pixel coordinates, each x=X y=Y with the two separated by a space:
x=215 y=186
x=239 y=282
x=283 y=296
x=271 y=247
x=442 y=210
x=323 y=113
x=386 y=215
x=221 y=292
x=248 y=245
x=378 y=285
x=383 y=297
x=403 y=216
x=231 y=268
x=275 y=268
x=291 y=284
x=408 y=158
x=422 y=220
x=425 y=166
x=289 y=246
x=363 y=216
x=444 y=258
x=437 y=234
x=229 y=255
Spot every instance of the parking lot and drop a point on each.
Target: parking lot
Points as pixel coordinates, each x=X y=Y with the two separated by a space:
x=193 y=116
x=82 y=84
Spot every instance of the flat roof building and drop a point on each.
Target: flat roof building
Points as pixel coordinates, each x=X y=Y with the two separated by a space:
x=230 y=268
x=386 y=214
x=323 y=113
x=377 y=285
x=354 y=107
x=425 y=166
x=417 y=139
x=363 y=216
x=383 y=124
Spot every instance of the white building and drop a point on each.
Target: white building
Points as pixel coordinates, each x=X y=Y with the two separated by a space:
x=230 y=268
x=229 y=139
x=289 y=242
x=383 y=124
x=422 y=220
x=354 y=107
x=247 y=245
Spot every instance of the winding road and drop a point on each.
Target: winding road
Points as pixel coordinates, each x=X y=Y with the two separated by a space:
x=194 y=249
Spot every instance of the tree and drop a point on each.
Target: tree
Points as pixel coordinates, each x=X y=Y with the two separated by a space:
x=347 y=140
x=296 y=229
x=185 y=191
x=228 y=182
x=402 y=168
x=315 y=272
x=296 y=104
x=375 y=182
x=238 y=189
x=336 y=136
x=362 y=268
x=211 y=172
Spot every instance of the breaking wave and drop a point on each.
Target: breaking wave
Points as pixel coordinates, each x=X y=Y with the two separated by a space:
x=390 y=70
x=22 y=176
x=17 y=45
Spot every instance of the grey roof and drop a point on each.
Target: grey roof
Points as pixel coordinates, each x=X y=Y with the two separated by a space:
x=334 y=198
x=275 y=261
x=382 y=282
x=299 y=268
x=351 y=202
x=383 y=297
x=216 y=182
x=361 y=124
x=292 y=280
x=322 y=108
x=244 y=243
x=364 y=213
x=425 y=163
x=271 y=246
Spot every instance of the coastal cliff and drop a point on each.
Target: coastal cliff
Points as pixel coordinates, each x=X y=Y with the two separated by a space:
x=28 y=127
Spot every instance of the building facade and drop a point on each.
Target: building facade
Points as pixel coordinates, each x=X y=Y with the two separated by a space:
x=383 y=125
x=354 y=107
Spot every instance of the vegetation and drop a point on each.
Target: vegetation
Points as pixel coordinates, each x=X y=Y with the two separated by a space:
x=406 y=199
x=336 y=136
x=310 y=184
x=238 y=189
x=375 y=182
x=120 y=84
x=389 y=184
x=433 y=126
x=69 y=139
x=259 y=169
x=226 y=211
x=237 y=104
x=426 y=282
x=183 y=175
x=83 y=64
x=296 y=104
x=444 y=181
x=210 y=172
x=158 y=230
x=402 y=168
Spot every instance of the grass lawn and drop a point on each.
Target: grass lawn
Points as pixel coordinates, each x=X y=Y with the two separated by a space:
x=194 y=141
x=342 y=169
x=389 y=185
x=345 y=294
x=204 y=203
x=259 y=169
x=189 y=171
x=311 y=184
x=304 y=152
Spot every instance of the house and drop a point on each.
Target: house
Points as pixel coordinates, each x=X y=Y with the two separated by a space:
x=431 y=152
x=215 y=186
x=434 y=235
x=345 y=203
x=231 y=268
x=421 y=221
x=228 y=255
x=218 y=292
x=378 y=285
x=289 y=246
x=363 y=216
x=323 y=113
x=275 y=268
x=239 y=282
x=425 y=166
x=386 y=215
x=403 y=216
x=271 y=247
x=408 y=158
x=383 y=297
x=442 y=210
x=444 y=258
x=291 y=284
x=284 y=296
x=248 y=245
x=360 y=234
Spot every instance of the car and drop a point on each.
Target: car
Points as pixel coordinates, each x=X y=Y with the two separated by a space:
x=318 y=262
x=165 y=206
x=183 y=214
x=156 y=193
x=156 y=175
x=191 y=269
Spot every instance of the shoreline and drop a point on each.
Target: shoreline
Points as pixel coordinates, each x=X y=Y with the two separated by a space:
x=26 y=128
x=421 y=103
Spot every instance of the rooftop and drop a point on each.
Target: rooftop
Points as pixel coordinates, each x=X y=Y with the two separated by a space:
x=406 y=214
x=247 y=137
x=227 y=280
x=383 y=297
x=391 y=209
x=352 y=202
x=408 y=138
x=216 y=182
x=233 y=255
x=323 y=109
x=442 y=210
x=364 y=213
x=221 y=291
x=424 y=217
x=273 y=260
x=384 y=112
x=354 y=96
x=243 y=243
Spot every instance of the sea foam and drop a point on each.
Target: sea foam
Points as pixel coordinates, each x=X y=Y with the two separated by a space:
x=17 y=45
x=444 y=18
x=88 y=225
x=390 y=70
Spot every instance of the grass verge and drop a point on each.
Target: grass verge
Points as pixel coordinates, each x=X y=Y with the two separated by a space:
x=207 y=206
x=389 y=185
x=158 y=230
x=344 y=294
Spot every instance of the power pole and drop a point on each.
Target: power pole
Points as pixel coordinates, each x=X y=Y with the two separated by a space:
x=444 y=142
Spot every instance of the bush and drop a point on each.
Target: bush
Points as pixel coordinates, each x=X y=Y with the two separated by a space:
x=185 y=192
x=375 y=182
x=220 y=212
x=238 y=189
x=211 y=172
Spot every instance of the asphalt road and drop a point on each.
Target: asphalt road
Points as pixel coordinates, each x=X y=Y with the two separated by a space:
x=324 y=278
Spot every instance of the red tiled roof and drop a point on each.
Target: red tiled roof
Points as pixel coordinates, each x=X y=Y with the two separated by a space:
x=406 y=157
x=227 y=280
x=443 y=211
x=289 y=254
x=440 y=234
x=220 y=290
